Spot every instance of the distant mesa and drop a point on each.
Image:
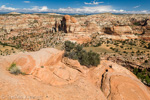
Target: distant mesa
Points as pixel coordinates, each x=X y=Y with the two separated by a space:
x=53 y=14
x=14 y=13
x=48 y=14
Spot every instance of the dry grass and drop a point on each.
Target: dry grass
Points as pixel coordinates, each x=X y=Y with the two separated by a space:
x=101 y=49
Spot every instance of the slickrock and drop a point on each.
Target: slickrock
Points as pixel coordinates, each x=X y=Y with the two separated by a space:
x=120 y=84
x=57 y=79
x=51 y=76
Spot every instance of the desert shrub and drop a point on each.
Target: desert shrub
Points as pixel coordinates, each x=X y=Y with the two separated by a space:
x=137 y=23
x=13 y=69
x=132 y=52
x=148 y=46
x=97 y=45
x=89 y=58
x=121 y=46
x=143 y=75
x=76 y=52
x=135 y=71
x=116 y=50
x=35 y=21
x=146 y=61
x=42 y=66
x=147 y=80
x=111 y=48
x=124 y=52
x=69 y=46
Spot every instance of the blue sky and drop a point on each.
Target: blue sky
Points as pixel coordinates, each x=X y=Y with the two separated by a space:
x=76 y=6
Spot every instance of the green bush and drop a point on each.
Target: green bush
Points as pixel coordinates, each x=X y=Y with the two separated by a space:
x=147 y=80
x=13 y=69
x=89 y=59
x=42 y=66
x=143 y=75
x=137 y=23
x=148 y=46
x=146 y=61
x=69 y=46
x=76 y=52
x=135 y=71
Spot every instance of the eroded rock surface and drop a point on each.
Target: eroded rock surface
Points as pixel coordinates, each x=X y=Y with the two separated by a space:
x=120 y=84
x=51 y=76
x=33 y=32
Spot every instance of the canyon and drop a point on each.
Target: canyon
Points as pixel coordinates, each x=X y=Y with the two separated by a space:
x=34 y=45
x=53 y=29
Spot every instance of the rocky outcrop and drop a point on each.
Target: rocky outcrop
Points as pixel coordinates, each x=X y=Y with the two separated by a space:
x=56 y=77
x=105 y=24
x=70 y=24
x=122 y=30
x=26 y=23
x=118 y=84
x=47 y=66
x=62 y=78
x=118 y=30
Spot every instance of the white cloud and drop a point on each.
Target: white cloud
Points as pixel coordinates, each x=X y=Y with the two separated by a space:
x=83 y=10
x=26 y=1
x=137 y=6
x=34 y=9
x=97 y=9
x=4 y=8
x=92 y=3
x=44 y=8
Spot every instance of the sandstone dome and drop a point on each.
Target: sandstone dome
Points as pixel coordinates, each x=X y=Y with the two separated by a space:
x=52 y=76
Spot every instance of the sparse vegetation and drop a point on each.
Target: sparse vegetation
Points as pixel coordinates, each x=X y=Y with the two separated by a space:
x=76 y=52
x=143 y=75
x=14 y=69
x=42 y=66
x=128 y=53
x=136 y=23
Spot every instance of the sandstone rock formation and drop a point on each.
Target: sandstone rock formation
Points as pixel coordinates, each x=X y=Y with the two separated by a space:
x=25 y=23
x=70 y=24
x=32 y=26
x=29 y=27
x=51 y=76
x=120 y=30
x=120 y=84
